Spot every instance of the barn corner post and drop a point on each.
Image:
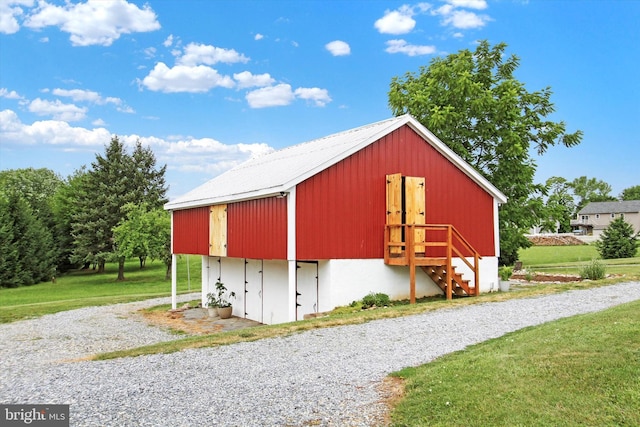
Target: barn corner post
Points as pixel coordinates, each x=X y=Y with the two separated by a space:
x=291 y=256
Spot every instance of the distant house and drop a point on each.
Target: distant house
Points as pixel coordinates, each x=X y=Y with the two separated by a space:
x=385 y=207
x=596 y=216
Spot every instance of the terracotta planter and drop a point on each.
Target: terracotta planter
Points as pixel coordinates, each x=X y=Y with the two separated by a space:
x=213 y=311
x=225 y=312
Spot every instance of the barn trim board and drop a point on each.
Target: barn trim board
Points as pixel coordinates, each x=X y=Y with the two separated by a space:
x=323 y=207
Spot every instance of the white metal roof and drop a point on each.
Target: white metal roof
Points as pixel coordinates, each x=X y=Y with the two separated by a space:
x=282 y=170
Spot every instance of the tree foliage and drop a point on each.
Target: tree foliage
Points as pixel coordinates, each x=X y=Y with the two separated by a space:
x=144 y=233
x=590 y=190
x=560 y=205
x=631 y=193
x=618 y=240
x=114 y=180
x=475 y=105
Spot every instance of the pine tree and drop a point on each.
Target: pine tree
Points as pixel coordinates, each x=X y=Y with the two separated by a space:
x=618 y=240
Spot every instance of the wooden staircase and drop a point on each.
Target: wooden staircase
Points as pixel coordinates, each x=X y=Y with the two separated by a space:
x=438 y=273
x=409 y=244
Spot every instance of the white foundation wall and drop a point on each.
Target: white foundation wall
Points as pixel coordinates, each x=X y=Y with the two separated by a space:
x=351 y=279
x=231 y=272
x=488 y=272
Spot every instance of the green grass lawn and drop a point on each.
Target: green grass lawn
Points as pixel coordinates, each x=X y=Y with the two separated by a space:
x=579 y=371
x=84 y=288
x=570 y=260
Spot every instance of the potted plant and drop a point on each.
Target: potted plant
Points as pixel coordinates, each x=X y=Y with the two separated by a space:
x=505 y=273
x=224 y=301
x=212 y=304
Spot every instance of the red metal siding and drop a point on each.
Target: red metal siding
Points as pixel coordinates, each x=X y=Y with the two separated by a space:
x=341 y=210
x=257 y=229
x=191 y=231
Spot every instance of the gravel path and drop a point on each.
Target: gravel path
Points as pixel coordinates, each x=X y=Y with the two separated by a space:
x=321 y=377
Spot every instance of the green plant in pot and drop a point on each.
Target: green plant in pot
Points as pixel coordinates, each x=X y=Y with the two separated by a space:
x=212 y=304
x=505 y=273
x=224 y=300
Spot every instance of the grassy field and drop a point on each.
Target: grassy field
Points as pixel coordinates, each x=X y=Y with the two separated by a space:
x=570 y=259
x=84 y=288
x=579 y=371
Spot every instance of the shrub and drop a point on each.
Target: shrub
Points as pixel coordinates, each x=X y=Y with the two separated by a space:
x=595 y=270
x=377 y=300
x=618 y=240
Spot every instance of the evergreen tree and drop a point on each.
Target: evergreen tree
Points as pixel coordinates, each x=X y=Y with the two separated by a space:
x=113 y=181
x=618 y=240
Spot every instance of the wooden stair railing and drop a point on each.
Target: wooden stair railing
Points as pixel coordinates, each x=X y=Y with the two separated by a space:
x=440 y=269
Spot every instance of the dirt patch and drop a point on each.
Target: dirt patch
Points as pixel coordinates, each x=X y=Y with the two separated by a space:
x=555 y=240
x=175 y=321
x=545 y=277
x=392 y=390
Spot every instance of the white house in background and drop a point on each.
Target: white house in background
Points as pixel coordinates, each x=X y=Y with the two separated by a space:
x=385 y=207
x=596 y=216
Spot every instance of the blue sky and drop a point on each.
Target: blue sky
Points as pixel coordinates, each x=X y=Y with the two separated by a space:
x=208 y=84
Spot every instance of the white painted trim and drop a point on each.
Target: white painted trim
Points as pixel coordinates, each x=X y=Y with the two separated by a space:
x=496 y=226
x=204 y=280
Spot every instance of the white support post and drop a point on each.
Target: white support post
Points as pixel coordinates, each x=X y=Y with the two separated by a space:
x=174 y=281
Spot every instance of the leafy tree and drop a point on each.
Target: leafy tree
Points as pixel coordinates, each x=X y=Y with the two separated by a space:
x=590 y=190
x=560 y=205
x=618 y=240
x=476 y=106
x=145 y=233
x=631 y=193
x=113 y=181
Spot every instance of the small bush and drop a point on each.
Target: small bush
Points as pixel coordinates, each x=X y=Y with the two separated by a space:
x=377 y=300
x=593 y=271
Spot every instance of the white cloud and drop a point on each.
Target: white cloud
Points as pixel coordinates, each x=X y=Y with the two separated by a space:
x=469 y=4
x=98 y=122
x=183 y=78
x=401 y=46
x=246 y=79
x=195 y=53
x=272 y=96
x=58 y=110
x=168 y=41
x=400 y=21
x=186 y=153
x=338 y=48
x=78 y=95
x=282 y=94
x=9 y=10
x=320 y=97
x=463 y=19
x=95 y=22
x=258 y=37
x=5 y=93
x=51 y=132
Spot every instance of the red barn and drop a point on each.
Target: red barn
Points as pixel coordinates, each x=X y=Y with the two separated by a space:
x=385 y=207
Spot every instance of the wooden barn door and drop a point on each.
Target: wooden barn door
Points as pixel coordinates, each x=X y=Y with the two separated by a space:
x=406 y=204
x=218 y=230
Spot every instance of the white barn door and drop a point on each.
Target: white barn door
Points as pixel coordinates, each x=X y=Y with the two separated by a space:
x=253 y=290
x=306 y=289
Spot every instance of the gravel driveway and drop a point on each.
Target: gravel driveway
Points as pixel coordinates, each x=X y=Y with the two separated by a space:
x=321 y=377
